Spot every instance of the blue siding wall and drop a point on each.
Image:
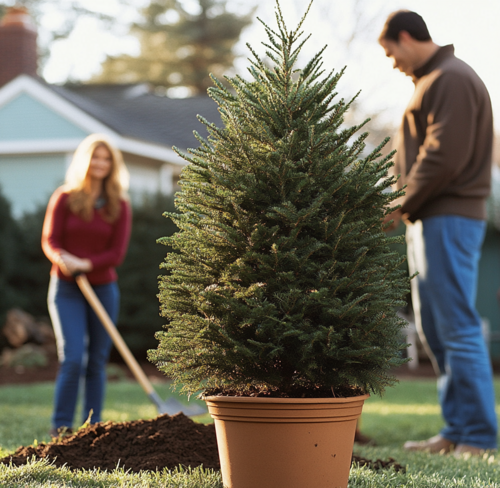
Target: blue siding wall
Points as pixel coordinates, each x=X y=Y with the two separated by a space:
x=28 y=181
x=25 y=118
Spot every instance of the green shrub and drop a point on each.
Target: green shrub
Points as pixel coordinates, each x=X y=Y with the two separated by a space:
x=11 y=260
x=34 y=269
x=138 y=275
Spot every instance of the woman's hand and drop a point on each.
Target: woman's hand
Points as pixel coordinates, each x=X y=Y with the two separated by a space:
x=71 y=264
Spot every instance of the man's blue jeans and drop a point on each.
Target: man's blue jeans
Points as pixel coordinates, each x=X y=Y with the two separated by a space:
x=83 y=347
x=447 y=261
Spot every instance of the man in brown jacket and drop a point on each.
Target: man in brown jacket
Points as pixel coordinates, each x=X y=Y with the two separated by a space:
x=444 y=152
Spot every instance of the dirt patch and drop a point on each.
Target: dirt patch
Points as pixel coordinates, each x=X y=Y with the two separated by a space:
x=163 y=442
x=142 y=445
x=378 y=464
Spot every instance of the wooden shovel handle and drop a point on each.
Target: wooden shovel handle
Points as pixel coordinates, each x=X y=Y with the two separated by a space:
x=95 y=303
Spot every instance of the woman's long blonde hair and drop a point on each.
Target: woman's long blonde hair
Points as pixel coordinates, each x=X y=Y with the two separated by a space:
x=78 y=185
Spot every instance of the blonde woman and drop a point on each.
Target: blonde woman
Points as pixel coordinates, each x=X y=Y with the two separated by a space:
x=86 y=230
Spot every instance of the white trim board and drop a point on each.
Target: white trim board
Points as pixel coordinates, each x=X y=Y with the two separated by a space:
x=147 y=149
x=47 y=146
x=39 y=146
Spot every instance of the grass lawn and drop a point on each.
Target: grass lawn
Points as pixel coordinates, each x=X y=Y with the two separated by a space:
x=407 y=411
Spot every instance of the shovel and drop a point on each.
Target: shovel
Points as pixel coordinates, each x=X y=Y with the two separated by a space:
x=170 y=406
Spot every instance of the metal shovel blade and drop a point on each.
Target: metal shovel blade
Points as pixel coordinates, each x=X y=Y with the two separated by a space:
x=173 y=406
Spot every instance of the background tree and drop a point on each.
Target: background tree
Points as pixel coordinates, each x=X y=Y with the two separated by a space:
x=138 y=275
x=181 y=44
x=33 y=268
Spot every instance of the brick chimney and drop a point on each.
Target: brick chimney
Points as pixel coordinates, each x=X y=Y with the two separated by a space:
x=18 y=48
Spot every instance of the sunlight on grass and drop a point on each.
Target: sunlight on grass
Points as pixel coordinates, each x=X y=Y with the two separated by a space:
x=25 y=410
x=386 y=409
x=407 y=411
x=203 y=419
x=43 y=474
x=128 y=413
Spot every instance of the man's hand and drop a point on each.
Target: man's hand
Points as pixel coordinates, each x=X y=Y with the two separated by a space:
x=396 y=217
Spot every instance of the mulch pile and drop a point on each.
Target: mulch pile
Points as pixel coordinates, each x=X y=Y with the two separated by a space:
x=163 y=442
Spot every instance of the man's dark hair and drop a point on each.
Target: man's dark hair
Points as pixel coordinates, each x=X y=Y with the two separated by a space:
x=405 y=20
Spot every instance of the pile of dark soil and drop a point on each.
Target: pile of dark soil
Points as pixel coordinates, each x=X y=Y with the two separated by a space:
x=163 y=442
x=378 y=464
x=140 y=445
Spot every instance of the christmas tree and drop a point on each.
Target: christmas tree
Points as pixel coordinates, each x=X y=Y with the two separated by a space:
x=282 y=281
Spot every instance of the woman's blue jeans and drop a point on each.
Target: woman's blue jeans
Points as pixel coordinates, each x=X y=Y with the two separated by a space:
x=83 y=347
x=447 y=261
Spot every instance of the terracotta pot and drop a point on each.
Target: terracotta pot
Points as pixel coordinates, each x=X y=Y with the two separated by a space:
x=285 y=442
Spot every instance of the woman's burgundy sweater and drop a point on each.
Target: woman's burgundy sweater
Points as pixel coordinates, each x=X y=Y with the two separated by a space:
x=104 y=243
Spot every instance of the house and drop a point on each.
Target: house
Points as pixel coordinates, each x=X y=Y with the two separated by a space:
x=42 y=124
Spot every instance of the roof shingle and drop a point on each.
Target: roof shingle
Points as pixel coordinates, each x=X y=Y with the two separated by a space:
x=135 y=111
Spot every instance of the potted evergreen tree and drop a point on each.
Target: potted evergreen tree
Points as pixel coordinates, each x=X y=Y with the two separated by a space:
x=282 y=288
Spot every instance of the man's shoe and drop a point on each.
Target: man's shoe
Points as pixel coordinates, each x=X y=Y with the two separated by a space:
x=436 y=444
x=464 y=449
